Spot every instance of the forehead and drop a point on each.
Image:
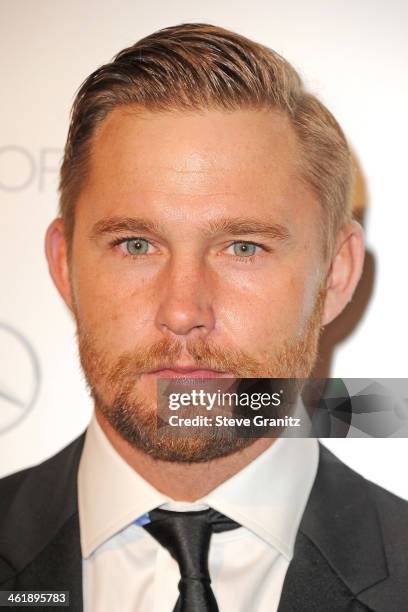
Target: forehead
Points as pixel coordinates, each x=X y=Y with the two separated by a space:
x=208 y=142
x=205 y=160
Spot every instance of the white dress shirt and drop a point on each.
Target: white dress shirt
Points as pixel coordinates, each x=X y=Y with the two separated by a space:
x=126 y=570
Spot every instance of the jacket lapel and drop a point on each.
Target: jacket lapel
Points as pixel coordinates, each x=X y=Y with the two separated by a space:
x=339 y=551
x=57 y=567
x=45 y=553
x=312 y=584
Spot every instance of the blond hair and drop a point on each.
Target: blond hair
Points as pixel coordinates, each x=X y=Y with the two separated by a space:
x=198 y=66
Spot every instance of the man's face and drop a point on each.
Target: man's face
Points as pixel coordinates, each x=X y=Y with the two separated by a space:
x=197 y=251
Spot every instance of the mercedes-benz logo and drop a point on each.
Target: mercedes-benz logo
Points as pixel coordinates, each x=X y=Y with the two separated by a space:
x=19 y=377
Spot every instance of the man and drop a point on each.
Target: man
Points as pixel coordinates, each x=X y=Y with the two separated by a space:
x=205 y=231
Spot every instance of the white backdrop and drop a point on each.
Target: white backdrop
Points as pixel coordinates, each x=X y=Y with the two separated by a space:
x=352 y=54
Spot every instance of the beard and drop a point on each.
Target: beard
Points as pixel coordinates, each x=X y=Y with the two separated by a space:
x=114 y=385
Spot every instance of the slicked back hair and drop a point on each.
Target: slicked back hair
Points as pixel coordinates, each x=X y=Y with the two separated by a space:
x=200 y=66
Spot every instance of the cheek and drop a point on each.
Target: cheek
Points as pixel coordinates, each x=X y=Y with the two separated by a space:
x=113 y=308
x=257 y=314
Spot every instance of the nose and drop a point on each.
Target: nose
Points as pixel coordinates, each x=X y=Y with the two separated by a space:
x=185 y=307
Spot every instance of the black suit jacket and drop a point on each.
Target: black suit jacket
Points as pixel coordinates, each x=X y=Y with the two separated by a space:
x=351 y=551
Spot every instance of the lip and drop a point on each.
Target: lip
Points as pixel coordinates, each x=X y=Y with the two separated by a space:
x=188 y=372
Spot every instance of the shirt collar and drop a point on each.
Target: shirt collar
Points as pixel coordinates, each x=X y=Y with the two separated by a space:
x=111 y=494
x=268 y=496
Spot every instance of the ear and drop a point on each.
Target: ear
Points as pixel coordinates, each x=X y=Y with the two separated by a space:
x=345 y=270
x=56 y=250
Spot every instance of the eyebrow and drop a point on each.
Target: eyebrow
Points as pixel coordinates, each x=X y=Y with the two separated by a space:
x=249 y=226
x=224 y=225
x=117 y=225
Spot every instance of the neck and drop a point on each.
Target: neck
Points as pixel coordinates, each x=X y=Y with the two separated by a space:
x=179 y=480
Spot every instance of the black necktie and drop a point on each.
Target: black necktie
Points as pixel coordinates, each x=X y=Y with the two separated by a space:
x=186 y=535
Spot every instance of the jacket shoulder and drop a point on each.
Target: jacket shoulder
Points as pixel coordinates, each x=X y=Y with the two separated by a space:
x=37 y=475
x=366 y=534
x=36 y=502
x=386 y=502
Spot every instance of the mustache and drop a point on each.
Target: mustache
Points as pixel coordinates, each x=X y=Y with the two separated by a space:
x=204 y=355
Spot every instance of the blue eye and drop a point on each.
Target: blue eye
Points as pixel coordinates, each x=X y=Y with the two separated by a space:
x=136 y=246
x=244 y=249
